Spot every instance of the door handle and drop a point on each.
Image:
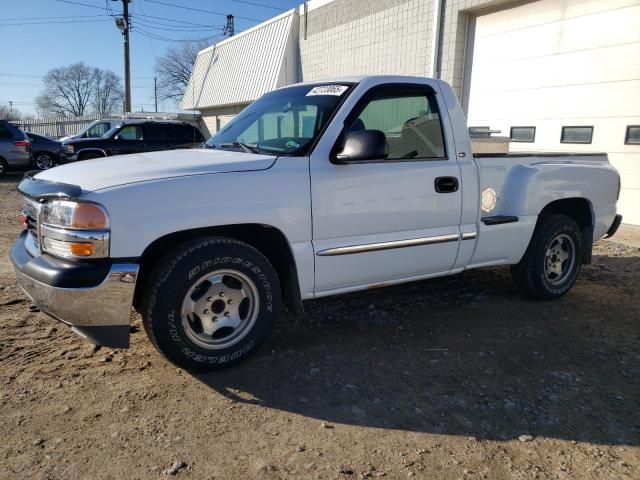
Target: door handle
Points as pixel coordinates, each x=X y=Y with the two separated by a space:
x=446 y=184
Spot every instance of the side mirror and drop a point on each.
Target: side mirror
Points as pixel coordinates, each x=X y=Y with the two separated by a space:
x=363 y=145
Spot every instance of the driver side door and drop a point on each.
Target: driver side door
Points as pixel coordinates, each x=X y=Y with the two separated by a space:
x=383 y=220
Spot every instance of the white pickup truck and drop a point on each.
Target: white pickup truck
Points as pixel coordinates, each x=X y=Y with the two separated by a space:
x=315 y=189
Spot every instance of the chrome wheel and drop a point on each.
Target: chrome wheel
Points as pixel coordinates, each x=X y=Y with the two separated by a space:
x=220 y=309
x=559 y=259
x=44 y=161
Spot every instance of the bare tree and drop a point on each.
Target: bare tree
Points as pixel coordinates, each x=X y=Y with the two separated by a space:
x=174 y=68
x=7 y=113
x=107 y=96
x=68 y=90
x=78 y=89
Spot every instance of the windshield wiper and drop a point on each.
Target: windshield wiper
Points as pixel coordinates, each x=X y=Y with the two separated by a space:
x=244 y=146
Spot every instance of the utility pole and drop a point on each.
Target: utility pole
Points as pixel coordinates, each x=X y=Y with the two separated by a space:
x=229 y=28
x=10 y=108
x=127 y=71
x=155 y=92
x=124 y=24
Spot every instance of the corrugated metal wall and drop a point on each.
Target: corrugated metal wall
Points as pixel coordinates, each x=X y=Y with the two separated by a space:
x=243 y=68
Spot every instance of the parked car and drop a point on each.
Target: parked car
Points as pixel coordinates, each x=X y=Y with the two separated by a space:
x=134 y=136
x=315 y=189
x=15 y=148
x=46 y=152
x=95 y=129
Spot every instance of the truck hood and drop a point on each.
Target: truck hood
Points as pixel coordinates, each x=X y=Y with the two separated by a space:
x=100 y=173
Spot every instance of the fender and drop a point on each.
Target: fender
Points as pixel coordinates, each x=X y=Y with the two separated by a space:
x=525 y=190
x=142 y=212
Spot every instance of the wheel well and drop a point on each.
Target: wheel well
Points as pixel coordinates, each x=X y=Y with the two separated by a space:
x=270 y=241
x=580 y=210
x=91 y=153
x=577 y=208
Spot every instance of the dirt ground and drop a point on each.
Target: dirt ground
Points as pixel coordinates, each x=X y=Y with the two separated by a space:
x=455 y=378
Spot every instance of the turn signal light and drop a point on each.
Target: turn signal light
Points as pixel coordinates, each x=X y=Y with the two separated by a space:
x=82 y=249
x=89 y=216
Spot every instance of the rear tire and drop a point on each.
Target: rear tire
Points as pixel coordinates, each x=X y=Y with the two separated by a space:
x=43 y=160
x=3 y=167
x=552 y=262
x=211 y=303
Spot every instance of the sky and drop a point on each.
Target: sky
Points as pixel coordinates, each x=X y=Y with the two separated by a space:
x=38 y=35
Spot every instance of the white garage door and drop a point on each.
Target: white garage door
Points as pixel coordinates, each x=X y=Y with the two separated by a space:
x=563 y=63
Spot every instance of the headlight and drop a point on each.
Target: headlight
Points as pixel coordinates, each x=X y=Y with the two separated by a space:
x=74 y=229
x=67 y=214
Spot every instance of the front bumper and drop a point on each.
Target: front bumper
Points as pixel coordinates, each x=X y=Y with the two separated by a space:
x=94 y=299
x=66 y=158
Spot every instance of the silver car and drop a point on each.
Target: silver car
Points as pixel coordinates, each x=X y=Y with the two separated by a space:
x=15 y=148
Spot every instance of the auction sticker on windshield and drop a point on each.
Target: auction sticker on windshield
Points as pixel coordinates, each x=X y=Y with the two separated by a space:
x=327 y=90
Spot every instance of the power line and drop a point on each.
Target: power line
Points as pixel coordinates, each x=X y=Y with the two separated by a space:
x=200 y=10
x=51 y=23
x=155 y=36
x=172 y=20
x=174 y=28
x=140 y=14
x=20 y=75
x=255 y=4
x=12 y=19
x=80 y=3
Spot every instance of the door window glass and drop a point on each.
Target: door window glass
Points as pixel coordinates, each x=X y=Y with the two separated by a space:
x=130 y=132
x=410 y=122
x=98 y=130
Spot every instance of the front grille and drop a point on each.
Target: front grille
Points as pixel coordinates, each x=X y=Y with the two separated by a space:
x=32 y=212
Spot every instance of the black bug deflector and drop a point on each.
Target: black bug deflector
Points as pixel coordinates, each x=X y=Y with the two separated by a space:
x=36 y=188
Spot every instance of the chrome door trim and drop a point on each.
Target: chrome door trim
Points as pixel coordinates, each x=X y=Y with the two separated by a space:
x=372 y=247
x=469 y=235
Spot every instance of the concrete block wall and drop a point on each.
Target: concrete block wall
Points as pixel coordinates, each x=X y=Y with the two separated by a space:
x=355 y=37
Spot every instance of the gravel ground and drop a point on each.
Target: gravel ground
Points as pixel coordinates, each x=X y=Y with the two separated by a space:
x=457 y=378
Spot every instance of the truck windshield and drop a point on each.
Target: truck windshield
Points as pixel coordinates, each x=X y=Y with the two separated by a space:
x=282 y=122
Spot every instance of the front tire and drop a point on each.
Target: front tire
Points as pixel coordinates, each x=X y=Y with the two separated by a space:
x=552 y=262
x=211 y=303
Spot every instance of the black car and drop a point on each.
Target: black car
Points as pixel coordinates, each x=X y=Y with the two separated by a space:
x=46 y=152
x=134 y=136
